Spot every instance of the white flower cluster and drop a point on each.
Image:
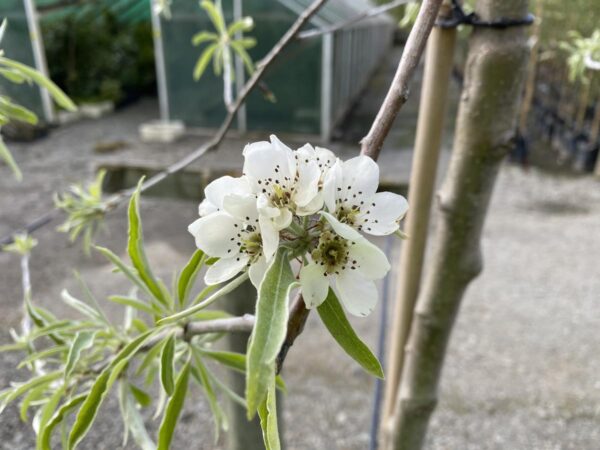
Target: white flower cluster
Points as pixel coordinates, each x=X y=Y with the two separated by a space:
x=310 y=202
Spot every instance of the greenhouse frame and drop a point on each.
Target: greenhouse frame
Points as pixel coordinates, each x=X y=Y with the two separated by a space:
x=313 y=83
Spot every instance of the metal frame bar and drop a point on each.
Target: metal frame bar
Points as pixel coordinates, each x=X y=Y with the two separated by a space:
x=326 y=86
x=159 y=60
x=39 y=56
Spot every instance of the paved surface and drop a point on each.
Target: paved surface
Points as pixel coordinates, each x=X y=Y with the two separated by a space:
x=522 y=369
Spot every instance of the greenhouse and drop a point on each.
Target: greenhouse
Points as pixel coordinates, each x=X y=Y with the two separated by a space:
x=347 y=56
x=113 y=41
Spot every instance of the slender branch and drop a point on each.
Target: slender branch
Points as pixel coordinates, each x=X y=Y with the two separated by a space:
x=371 y=144
x=297 y=319
x=399 y=90
x=358 y=18
x=214 y=142
x=241 y=324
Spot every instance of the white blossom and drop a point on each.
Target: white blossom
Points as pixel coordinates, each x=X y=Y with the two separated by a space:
x=350 y=191
x=285 y=185
x=311 y=202
x=228 y=229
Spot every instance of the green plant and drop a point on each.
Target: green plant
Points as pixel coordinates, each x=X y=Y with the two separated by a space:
x=220 y=46
x=18 y=73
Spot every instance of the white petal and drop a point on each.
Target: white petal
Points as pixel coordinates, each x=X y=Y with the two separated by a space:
x=345 y=231
x=315 y=205
x=254 y=146
x=314 y=284
x=242 y=207
x=291 y=160
x=361 y=177
x=216 y=191
x=225 y=269
x=264 y=207
x=269 y=235
x=257 y=271
x=214 y=234
x=357 y=294
x=325 y=157
x=283 y=220
x=333 y=179
x=307 y=186
x=261 y=162
x=306 y=152
x=385 y=209
x=371 y=261
x=206 y=208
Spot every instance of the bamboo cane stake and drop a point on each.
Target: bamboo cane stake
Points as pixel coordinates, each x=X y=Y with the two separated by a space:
x=438 y=67
x=486 y=121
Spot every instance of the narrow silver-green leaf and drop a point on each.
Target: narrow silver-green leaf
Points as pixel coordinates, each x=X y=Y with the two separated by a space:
x=237 y=362
x=45 y=433
x=166 y=365
x=135 y=247
x=335 y=321
x=88 y=411
x=173 y=409
x=203 y=61
x=13 y=393
x=188 y=276
x=267 y=412
x=57 y=94
x=133 y=419
x=133 y=302
x=83 y=340
x=124 y=268
x=269 y=330
x=202 y=375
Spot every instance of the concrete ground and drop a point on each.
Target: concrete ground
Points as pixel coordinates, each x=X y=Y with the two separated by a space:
x=522 y=368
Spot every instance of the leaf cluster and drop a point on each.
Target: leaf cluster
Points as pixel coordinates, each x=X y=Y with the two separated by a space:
x=221 y=42
x=579 y=48
x=18 y=73
x=85 y=208
x=75 y=363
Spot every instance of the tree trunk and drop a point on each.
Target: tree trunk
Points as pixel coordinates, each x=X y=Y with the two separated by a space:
x=430 y=127
x=485 y=129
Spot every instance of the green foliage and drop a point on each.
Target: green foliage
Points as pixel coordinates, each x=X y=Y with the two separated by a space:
x=267 y=412
x=221 y=43
x=269 y=331
x=18 y=73
x=332 y=315
x=22 y=245
x=75 y=363
x=578 y=49
x=96 y=57
x=85 y=209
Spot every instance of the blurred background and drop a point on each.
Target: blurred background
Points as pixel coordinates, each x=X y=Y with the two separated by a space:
x=522 y=368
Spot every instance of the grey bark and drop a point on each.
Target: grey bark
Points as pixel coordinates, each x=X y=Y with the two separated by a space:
x=485 y=127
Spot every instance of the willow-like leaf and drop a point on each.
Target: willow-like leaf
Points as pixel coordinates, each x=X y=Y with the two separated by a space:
x=167 y=361
x=173 y=409
x=135 y=247
x=188 y=276
x=332 y=315
x=269 y=330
